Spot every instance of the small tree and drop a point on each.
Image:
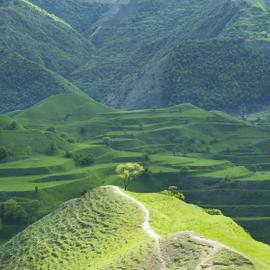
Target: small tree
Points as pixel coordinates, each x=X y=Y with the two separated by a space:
x=83 y=131
x=13 y=125
x=173 y=191
x=146 y=156
x=128 y=172
x=52 y=148
x=3 y=153
x=84 y=159
x=107 y=141
x=14 y=213
x=51 y=129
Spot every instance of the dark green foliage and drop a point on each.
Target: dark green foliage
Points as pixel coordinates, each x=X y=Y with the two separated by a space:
x=13 y=213
x=213 y=212
x=34 y=47
x=83 y=131
x=51 y=129
x=13 y=125
x=3 y=153
x=24 y=83
x=146 y=156
x=84 y=159
x=79 y=14
x=220 y=74
x=52 y=149
x=173 y=191
x=107 y=141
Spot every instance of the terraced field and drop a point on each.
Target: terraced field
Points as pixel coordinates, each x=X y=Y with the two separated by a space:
x=103 y=230
x=218 y=161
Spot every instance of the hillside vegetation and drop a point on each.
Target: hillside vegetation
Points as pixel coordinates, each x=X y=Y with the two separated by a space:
x=35 y=48
x=139 y=53
x=106 y=234
x=209 y=156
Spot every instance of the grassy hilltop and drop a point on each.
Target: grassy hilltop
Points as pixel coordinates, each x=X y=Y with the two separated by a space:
x=106 y=235
x=209 y=156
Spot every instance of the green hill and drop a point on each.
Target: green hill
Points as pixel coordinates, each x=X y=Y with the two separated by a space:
x=106 y=234
x=128 y=54
x=62 y=109
x=15 y=90
x=142 y=54
x=35 y=47
x=216 y=160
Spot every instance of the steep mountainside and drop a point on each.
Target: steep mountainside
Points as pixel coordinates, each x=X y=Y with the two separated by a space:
x=132 y=65
x=35 y=47
x=143 y=53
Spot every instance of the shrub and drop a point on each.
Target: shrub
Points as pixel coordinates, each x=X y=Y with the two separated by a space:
x=107 y=141
x=146 y=156
x=3 y=153
x=83 y=131
x=13 y=125
x=68 y=154
x=173 y=191
x=84 y=159
x=213 y=212
x=51 y=129
x=52 y=148
x=13 y=213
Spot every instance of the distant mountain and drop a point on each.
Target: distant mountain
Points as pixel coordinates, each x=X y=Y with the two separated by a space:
x=35 y=48
x=144 y=53
x=149 y=55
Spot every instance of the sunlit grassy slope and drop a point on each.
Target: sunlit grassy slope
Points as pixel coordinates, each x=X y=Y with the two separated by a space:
x=217 y=160
x=170 y=216
x=102 y=231
x=97 y=231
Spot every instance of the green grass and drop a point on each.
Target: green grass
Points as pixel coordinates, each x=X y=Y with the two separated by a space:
x=101 y=231
x=210 y=156
x=170 y=216
x=93 y=232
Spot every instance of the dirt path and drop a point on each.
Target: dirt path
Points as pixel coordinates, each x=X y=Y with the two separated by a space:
x=203 y=264
x=146 y=223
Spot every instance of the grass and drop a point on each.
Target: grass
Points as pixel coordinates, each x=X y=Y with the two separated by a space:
x=170 y=216
x=101 y=231
x=210 y=156
x=93 y=232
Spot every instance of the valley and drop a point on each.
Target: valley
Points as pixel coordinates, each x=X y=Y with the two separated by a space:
x=207 y=155
x=134 y=135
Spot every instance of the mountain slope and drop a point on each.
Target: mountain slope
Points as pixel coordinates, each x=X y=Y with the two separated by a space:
x=36 y=47
x=24 y=82
x=217 y=160
x=121 y=241
x=128 y=71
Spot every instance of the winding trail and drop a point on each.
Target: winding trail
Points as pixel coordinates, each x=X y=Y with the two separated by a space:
x=204 y=262
x=146 y=223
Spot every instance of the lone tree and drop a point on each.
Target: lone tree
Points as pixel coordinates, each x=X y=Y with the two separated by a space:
x=128 y=172
x=3 y=153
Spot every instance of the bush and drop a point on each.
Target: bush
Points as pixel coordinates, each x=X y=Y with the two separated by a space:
x=13 y=213
x=107 y=141
x=173 y=191
x=13 y=125
x=213 y=212
x=84 y=159
x=3 y=153
x=83 y=131
x=68 y=154
x=52 y=148
x=146 y=156
x=51 y=129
